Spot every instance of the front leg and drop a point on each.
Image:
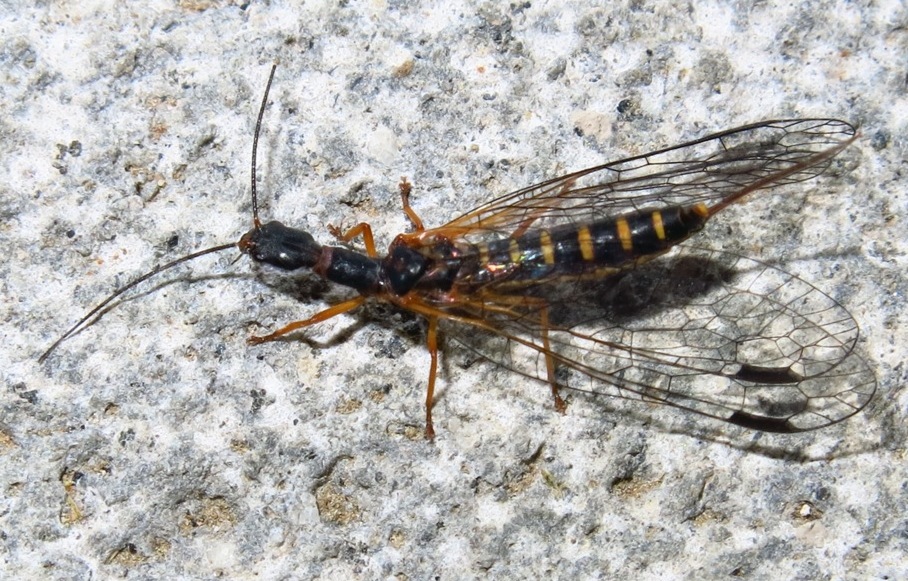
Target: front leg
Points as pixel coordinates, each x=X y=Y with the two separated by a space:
x=362 y=229
x=328 y=313
x=405 y=189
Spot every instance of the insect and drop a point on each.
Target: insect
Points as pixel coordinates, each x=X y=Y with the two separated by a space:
x=560 y=271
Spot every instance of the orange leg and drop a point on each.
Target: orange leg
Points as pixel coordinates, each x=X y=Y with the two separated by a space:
x=405 y=188
x=497 y=303
x=365 y=230
x=361 y=229
x=432 y=345
x=560 y=406
x=314 y=319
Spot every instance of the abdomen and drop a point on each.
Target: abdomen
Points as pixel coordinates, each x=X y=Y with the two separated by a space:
x=582 y=249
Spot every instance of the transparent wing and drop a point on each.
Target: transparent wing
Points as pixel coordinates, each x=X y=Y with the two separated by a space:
x=717 y=170
x=705 y=331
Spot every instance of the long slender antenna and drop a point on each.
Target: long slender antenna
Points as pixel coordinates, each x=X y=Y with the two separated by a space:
x=79 y=325
x=255 y=148
x=97 y=312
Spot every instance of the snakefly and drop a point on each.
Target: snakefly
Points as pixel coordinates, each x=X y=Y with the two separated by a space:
x=558 y=277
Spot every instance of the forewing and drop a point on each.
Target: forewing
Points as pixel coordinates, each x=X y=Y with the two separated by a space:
x=711 y=170
x=707 y=332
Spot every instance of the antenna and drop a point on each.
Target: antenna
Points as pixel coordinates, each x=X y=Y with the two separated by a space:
x=99 y=311
x=255 y=148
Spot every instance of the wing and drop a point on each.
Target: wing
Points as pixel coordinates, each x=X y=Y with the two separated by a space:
x=716 y=169
x=707 y=332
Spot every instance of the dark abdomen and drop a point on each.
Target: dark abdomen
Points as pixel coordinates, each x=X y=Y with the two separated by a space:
x=577 y=250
